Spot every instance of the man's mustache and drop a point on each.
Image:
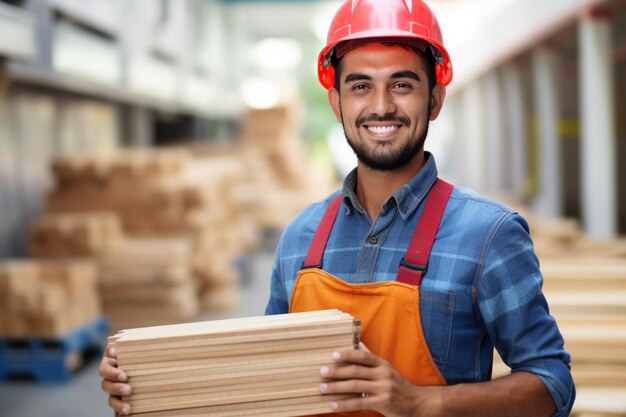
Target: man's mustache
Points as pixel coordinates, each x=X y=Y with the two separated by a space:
x=386 y=118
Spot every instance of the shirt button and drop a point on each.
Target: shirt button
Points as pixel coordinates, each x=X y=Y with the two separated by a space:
x=373 y=240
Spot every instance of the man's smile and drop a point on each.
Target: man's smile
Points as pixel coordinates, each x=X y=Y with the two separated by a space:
x=383 y=129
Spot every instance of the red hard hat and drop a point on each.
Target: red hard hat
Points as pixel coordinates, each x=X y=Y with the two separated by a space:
x=398 y=19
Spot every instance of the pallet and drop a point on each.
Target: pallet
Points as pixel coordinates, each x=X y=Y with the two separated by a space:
x=52 y=360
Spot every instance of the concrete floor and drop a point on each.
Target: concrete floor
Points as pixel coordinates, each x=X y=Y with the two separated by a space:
x=82 y=396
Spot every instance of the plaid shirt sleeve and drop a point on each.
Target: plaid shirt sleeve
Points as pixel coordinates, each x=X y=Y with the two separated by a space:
x=515 y=311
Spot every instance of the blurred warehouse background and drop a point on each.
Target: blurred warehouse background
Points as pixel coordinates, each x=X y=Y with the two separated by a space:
x=151 y=151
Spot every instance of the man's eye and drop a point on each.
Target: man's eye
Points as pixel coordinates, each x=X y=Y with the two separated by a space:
x=358 y=87
x=402 y=85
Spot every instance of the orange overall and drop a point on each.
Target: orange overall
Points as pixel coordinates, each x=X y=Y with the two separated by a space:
x=389 y=311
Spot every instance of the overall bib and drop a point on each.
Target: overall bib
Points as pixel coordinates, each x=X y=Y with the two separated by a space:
x=389 y=311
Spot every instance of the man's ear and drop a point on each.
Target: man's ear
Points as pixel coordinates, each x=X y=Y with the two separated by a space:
x=437 y=98
x=333 y=99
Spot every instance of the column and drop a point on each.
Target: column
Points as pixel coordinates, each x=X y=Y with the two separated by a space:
x=473 y=137
x=516 y=130
x=598 y=148
x=495 y=139
x=140 y=128
x=545 y=84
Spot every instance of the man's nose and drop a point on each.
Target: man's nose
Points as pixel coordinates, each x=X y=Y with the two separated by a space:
x=382 y=103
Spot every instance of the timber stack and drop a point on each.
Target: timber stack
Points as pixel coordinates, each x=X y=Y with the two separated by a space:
x=46 y=298
x=254 y=366
x=141 y=281
x=160 y=195
x=281 y=181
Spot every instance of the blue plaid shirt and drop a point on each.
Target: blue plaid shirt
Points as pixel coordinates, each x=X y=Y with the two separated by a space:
x=482 y=286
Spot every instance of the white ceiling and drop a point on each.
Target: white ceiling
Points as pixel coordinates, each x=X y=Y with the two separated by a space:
x=295 y=18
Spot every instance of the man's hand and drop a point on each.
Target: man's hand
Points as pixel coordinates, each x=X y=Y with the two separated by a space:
x=386 y=391
x=114 y=382
x=382 y=387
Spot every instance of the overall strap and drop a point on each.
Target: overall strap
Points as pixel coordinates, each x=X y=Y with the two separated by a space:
x=316 y=250
x=414 y=263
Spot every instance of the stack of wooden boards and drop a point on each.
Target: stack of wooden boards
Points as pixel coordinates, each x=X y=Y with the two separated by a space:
x=282 y=178
x=273 y=134
x=154 y=192
x=141 y=281
x=216 y=198
x=585 y=285
x=74 y=235
x=145 y=282
x=178 y=235
x=46 y=298
x=256 y=366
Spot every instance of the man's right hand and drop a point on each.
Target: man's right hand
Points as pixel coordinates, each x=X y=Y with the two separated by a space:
x=114 y=382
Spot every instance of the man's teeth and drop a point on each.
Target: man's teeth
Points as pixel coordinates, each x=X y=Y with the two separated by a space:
x=382 y=129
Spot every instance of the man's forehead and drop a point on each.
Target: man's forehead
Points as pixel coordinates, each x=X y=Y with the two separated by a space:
x=377 y=53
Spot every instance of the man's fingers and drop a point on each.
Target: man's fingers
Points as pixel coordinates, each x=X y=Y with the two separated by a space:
x=111 y=352
x=116 y=388
x=346 y=372
x=352 y=364
x=113 y=382
x=353 y=386
x=352 y=404
x=120 y=407
x=108 y=370
x=361 y=357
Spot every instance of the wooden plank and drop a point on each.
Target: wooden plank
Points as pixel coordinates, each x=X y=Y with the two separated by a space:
x=276 y=357
x=198 y=355
x=155 y=331
x=230 y=385
x=252 y=366
x=590 y=304
x=601 y=373
x=285 y=407
x=215 y=339
x=240 y=378
x=237 y=361
x=221 y=398
x=262 y=337
x=603 y=401
x=158 y=333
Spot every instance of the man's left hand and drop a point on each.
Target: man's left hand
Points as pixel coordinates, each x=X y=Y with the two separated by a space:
x=381 y=387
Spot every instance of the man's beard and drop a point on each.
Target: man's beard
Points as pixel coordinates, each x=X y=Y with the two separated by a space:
x=393 y=160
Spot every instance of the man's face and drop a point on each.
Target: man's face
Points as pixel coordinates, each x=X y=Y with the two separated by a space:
x=385 y=105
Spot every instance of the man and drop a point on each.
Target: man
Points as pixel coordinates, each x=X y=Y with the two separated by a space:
x=437 y=274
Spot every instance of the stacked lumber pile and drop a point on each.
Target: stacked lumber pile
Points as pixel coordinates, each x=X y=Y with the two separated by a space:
x=223 y=231
x=216 y=198
x=73 y=235
x=166 y=193
x=145 y=282
x=140 y=186
x=585 y=285
x=587 y=296
x=281 y=184
x=141 y=281
x=256 y=366
x=46 y=298
x=275 y=134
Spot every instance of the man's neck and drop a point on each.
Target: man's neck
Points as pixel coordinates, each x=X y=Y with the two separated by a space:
x=373 y=187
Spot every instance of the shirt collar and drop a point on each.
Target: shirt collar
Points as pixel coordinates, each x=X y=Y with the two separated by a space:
x=350 y=200
x=407 y=198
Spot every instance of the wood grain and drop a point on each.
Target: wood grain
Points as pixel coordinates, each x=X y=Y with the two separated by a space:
x=261 y=366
